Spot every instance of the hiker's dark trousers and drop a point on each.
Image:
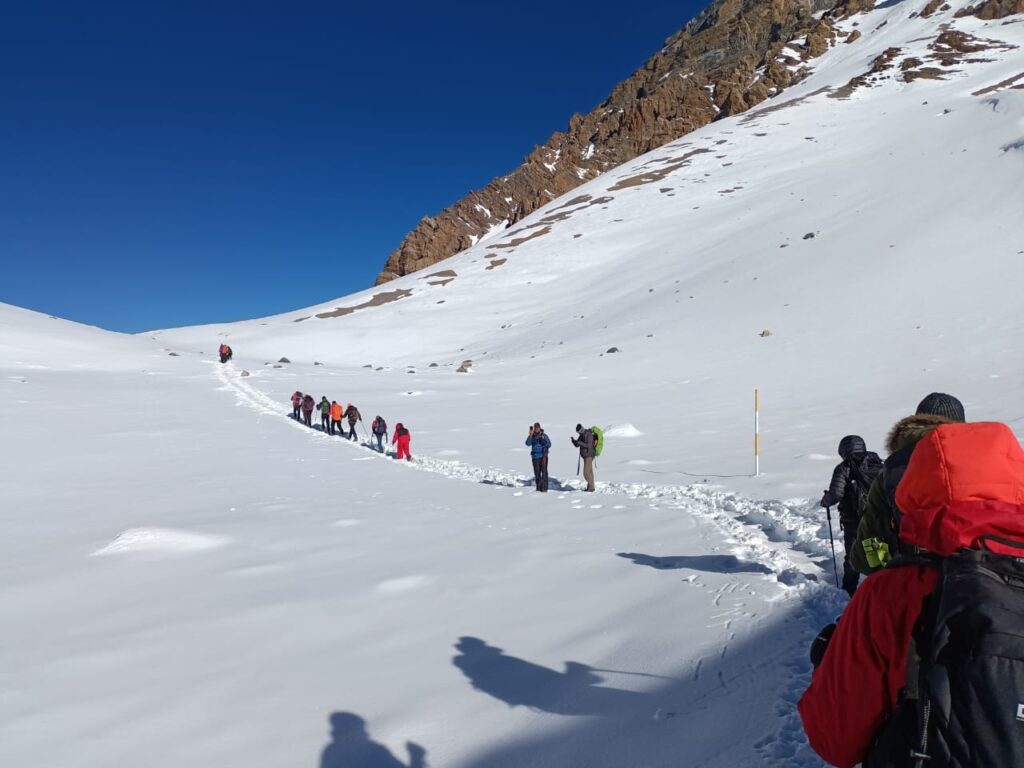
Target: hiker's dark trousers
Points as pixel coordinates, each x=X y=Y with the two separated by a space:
x=540 y=472
x=850 y=575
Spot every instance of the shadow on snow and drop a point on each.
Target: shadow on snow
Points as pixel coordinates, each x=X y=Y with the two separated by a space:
x=708 y=563
x=351 y=747
x=733 y=707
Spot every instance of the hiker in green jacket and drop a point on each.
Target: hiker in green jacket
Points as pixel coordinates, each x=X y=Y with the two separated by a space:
x=877 y=541
x=325 y=414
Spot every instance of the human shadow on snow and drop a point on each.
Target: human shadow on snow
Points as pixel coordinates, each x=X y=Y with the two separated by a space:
x=708 y=563
x=731 y=706
x=351 y=747
x=521 y=683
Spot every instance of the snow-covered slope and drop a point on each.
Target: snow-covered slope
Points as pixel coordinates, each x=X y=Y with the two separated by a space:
x=190 y=578
x=876 y=237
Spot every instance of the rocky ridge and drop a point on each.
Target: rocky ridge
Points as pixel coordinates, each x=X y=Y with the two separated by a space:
x=731 y=57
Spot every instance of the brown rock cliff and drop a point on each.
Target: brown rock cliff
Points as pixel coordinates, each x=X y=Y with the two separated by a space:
x=726 y=60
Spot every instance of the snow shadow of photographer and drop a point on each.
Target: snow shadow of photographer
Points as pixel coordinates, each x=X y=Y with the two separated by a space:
x=351 y=747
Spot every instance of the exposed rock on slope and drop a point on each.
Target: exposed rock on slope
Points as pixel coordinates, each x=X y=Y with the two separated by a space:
x=735 y=54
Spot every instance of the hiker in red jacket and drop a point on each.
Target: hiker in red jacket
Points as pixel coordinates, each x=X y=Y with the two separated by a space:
x=296 y=404
x=402 y=438
x=964 y=483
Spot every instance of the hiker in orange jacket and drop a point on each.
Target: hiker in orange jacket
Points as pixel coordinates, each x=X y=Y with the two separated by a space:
x=336 y=414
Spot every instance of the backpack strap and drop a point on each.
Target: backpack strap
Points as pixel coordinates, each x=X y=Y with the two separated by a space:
x=988 y=537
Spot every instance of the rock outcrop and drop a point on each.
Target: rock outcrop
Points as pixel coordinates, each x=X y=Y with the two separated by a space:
x=732 y=56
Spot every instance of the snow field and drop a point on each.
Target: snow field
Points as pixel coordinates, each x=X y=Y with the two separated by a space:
x=190 y=576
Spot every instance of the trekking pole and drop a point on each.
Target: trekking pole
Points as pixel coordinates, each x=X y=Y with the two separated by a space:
x=578 y=460
x=832 y=541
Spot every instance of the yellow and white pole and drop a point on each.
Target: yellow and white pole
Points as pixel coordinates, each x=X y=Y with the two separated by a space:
x=757 y=433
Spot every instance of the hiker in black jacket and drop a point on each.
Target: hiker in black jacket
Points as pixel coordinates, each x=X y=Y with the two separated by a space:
x=851 y=481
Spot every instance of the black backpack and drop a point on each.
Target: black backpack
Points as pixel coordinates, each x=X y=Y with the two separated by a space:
x=861 y=478
x=963 y=702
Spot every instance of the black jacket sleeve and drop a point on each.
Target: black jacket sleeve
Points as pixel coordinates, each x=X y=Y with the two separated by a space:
x=837 y=488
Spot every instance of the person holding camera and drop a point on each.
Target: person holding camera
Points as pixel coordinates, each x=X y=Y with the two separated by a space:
x=539 y=444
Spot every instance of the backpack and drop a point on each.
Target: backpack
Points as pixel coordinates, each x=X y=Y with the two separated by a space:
x=861 y=479
x=379 y=427
x=963 y=703
x=598 y=440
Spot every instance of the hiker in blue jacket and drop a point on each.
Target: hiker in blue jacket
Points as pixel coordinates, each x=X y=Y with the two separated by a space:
x=539 y=444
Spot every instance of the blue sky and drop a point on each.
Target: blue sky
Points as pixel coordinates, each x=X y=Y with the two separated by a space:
x=173 y=163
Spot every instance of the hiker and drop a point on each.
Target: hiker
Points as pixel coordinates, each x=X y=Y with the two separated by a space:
x=336 y=414
x=851 y=482
x=900 y=681
x=353 y=415
x=225 y=353
x=325 y=414
x=877 y=539
x=402 y=438
x=379 y=428
x=539 y=444
x=587 y=445
x=308 y=405
x=296 y=404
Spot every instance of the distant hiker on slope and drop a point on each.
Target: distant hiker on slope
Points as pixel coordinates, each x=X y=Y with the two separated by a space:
x=379 y=428
x=325 y=414
x=851 y=481
x=336 y=414
x=877 y=533
x=308 y=405
x=925 y=667
x=539 y=444
x=296 y=404
x=225 y=353
x=587 y=444
x=353 y=415
x=402 y=438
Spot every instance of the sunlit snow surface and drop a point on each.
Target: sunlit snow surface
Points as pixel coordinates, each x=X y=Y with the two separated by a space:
x=190 y=578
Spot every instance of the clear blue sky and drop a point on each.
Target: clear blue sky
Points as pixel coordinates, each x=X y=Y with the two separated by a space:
x=172 y=163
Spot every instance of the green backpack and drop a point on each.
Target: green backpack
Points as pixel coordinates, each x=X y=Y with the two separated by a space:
x=598 y=440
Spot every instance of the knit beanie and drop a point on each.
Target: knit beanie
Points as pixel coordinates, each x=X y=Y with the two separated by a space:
x=941 y=404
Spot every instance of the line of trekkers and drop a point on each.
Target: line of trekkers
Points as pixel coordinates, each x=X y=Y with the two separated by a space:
x=333 y=418
x=925 y=667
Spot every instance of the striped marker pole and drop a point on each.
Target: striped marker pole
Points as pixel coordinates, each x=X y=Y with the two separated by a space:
x=757 y=433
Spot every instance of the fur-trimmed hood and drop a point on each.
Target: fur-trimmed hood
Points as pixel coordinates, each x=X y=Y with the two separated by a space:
x=911 y=429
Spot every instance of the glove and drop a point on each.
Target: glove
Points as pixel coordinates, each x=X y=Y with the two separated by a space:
x=820 y=643
x=827 y=500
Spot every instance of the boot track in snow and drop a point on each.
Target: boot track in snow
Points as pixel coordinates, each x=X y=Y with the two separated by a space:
x=779 y=535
